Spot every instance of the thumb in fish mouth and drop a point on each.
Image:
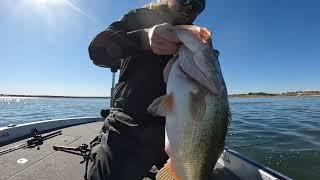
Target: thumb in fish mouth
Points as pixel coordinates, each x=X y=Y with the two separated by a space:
x=202 y=33
x=205 y=35
x=195 y=56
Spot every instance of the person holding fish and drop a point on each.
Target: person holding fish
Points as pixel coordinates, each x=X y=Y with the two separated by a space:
x=142 y=43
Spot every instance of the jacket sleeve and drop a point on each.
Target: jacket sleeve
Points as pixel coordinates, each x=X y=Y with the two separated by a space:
x=120 y=40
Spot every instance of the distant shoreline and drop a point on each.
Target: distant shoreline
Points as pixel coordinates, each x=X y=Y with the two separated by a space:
x=287 y=94
x=249 y=95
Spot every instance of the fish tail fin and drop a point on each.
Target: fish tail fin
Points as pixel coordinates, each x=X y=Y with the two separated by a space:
x=167 y=173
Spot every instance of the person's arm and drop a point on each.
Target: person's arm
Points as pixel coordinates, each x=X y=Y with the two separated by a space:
x=118 y=41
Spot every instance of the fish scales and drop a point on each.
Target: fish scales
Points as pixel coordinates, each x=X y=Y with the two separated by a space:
x=196 y=108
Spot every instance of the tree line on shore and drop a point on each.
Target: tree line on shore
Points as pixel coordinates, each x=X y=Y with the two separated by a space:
x=293 y=93
x=252 y=94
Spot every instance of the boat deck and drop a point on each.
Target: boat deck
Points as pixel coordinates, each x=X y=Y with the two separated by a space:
x=56 y=165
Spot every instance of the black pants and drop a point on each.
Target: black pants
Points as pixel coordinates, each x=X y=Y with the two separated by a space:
x=128 y=155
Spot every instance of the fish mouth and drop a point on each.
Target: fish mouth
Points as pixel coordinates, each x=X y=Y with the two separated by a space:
x=195 y=56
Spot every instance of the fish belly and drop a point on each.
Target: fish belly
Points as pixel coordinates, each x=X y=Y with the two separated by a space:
x=192 y=142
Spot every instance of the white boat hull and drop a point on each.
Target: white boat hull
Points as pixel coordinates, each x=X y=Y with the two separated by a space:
x=8 y=134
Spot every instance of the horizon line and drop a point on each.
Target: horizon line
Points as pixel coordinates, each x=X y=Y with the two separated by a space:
x=67 y=96
x=52 y=96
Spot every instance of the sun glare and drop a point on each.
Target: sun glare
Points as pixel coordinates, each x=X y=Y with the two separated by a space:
x=46 y=3
x=50 y=7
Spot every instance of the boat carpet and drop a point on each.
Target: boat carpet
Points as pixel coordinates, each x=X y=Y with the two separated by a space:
x=47 y=164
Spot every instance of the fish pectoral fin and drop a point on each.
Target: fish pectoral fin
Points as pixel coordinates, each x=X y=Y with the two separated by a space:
x=167 y=173
x=161 y=106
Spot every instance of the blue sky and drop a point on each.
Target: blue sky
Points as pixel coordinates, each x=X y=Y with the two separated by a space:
x=265 y=45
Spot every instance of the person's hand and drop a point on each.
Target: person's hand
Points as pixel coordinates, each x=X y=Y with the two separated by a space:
x=163 y=40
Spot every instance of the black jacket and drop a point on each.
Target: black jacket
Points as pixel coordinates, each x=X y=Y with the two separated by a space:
x=141 y=72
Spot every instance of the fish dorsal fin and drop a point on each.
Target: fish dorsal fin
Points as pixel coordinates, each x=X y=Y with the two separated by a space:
x=162 y=105
x=168 y=67
x=167 y=173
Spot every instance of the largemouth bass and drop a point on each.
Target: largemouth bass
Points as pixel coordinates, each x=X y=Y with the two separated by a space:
x=196 y=108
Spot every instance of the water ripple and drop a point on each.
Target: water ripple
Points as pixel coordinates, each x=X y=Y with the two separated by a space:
x=20 y=110
x=292 y=125
x=287 y=129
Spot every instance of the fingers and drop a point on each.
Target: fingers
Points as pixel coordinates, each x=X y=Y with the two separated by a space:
x=167 y=32
x=185 y=27
x=164 y=49
x=163 y=39
x=170 y=35
x=163 y=42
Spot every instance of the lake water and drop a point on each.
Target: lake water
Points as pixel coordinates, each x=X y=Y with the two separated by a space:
x=282 y=133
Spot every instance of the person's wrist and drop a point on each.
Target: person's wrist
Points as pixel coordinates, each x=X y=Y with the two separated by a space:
x=145 y=42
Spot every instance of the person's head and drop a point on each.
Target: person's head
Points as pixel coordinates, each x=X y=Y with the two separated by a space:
x=184 y=11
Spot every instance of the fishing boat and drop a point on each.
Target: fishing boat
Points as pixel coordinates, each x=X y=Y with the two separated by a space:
x=58 y=149
x=27 y=152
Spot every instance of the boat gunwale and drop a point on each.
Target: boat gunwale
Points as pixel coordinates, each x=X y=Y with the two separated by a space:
x=258 y=165
x=234 y=153
x=68 y=123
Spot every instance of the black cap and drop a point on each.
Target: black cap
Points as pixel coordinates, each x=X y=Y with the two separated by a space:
x=198 y=5
x=203 y=3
